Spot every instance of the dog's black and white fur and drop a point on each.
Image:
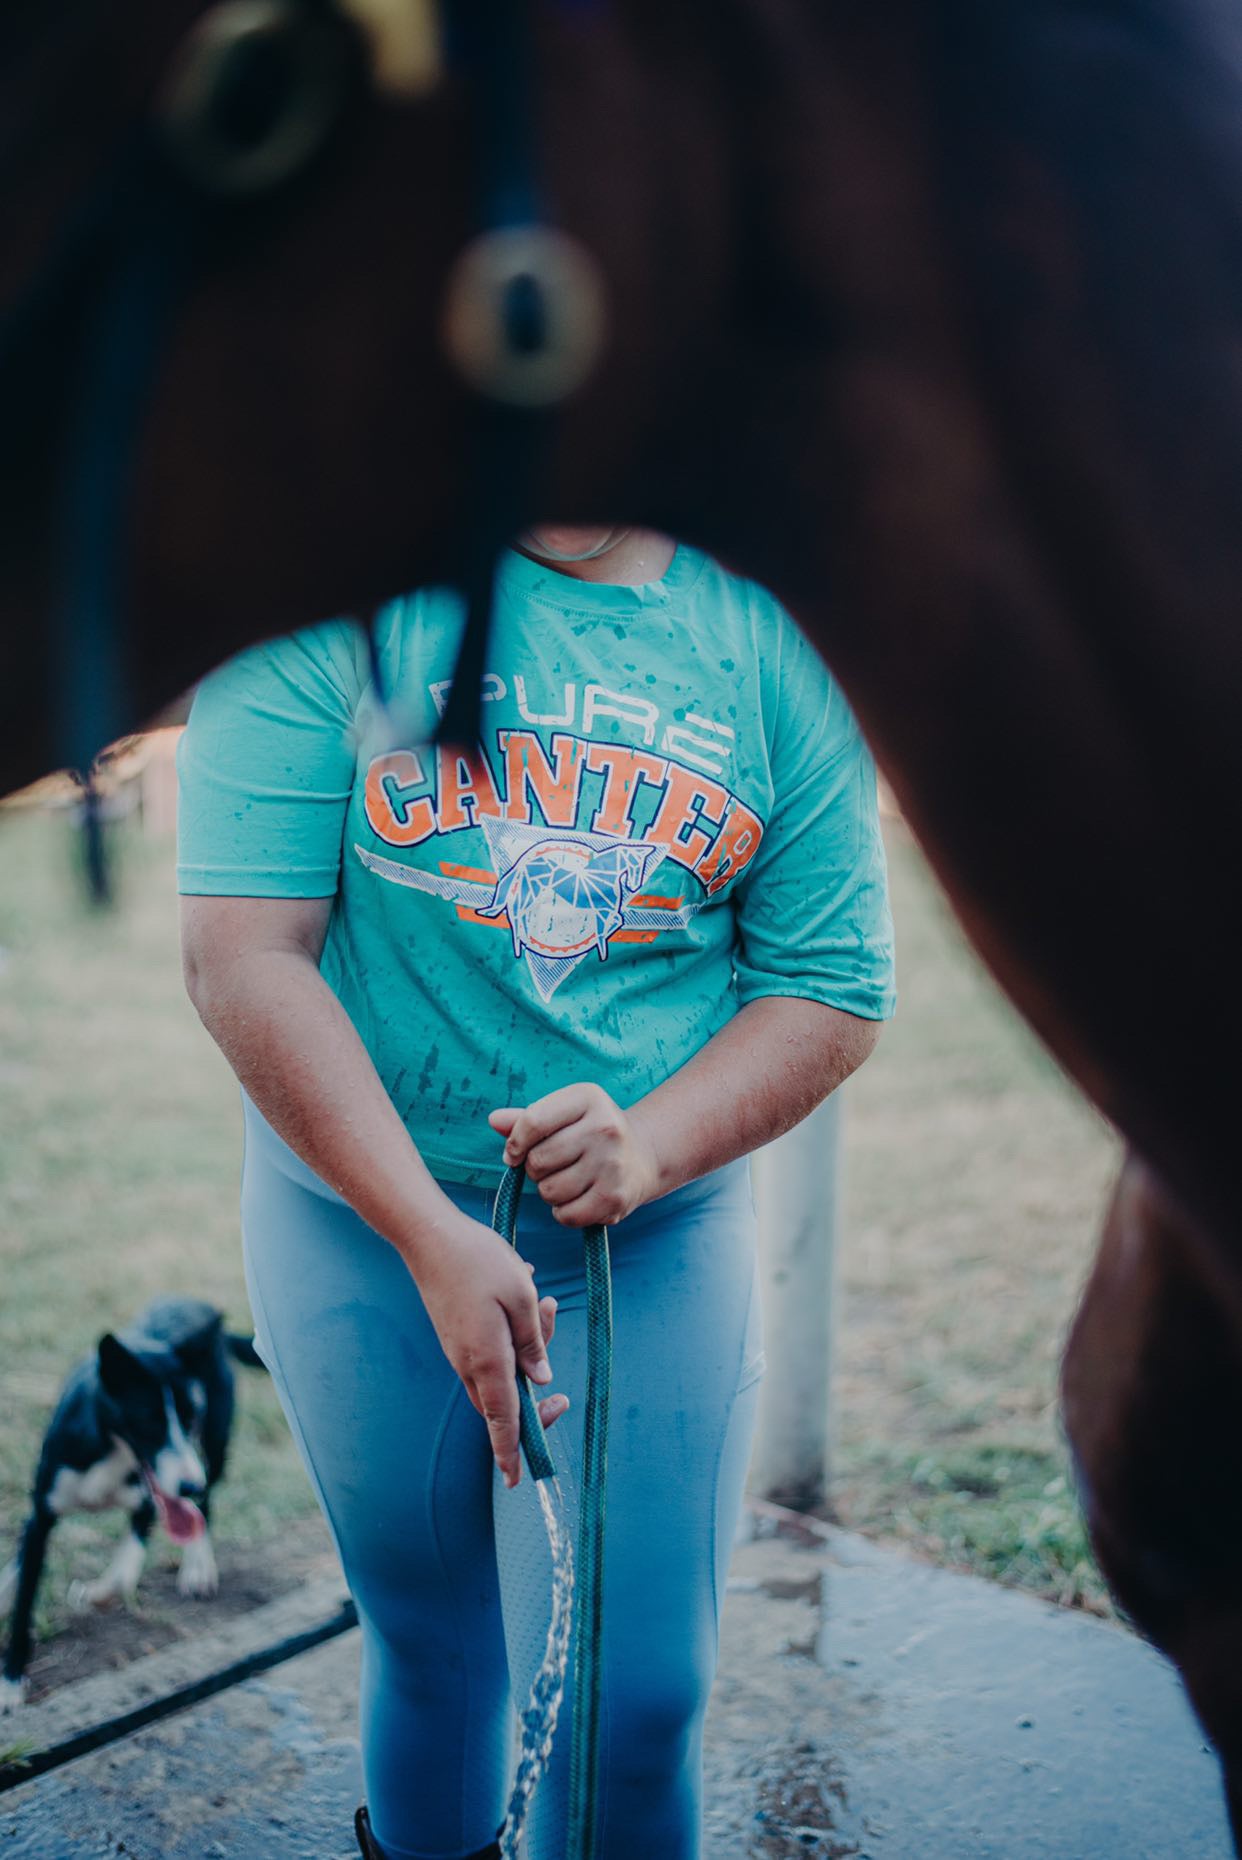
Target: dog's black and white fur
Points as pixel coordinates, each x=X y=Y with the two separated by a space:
x=144 y=1425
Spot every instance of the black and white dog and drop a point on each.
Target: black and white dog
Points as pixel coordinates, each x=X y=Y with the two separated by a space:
x=144 y=1425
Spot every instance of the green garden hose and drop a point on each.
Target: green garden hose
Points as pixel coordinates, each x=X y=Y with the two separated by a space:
x=589 y=1588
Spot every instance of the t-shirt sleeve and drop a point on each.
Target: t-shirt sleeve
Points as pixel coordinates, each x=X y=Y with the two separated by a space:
x=266 y=767
x=813 y=917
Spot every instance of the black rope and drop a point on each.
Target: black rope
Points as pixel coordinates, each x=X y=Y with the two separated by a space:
x=151 y=244
x=111 y=1730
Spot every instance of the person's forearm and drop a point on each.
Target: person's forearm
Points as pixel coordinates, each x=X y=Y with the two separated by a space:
x=760 y=1075
x=299 y=1057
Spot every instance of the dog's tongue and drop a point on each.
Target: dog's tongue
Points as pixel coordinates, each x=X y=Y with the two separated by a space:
x=182 y=1520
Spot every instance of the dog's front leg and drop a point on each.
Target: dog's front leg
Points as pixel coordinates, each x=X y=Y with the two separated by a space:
x=198 y=1574
x=119 y=1581
x=29 y=1569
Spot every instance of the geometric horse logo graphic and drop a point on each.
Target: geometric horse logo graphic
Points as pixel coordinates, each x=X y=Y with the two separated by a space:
x=564 y=896
x=564 y=893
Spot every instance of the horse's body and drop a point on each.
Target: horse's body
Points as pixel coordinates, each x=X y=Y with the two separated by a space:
x=926 y=316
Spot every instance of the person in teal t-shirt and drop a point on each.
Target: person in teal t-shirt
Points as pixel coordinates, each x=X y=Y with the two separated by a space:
x=639 y=930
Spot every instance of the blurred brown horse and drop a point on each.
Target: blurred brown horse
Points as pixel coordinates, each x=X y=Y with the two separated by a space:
x=930 y=317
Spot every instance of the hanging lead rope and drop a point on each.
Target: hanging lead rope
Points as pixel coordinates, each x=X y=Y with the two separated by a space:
x=523 y=322
x=539 y=1718
x=254 y=96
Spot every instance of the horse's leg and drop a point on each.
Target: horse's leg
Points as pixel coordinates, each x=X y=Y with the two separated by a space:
x=1150 y=1385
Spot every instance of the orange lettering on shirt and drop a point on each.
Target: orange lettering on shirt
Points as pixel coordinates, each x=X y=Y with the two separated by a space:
x=687 y=799
x=399 y=817
x=528 y=771
x=622 y=770
x=736 y=847
x=464 y=789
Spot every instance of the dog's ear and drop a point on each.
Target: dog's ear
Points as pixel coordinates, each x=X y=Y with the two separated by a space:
x=202 y=1344
x=119 y=1368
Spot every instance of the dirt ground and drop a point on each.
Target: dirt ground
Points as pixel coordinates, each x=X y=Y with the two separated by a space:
x=102 y=1638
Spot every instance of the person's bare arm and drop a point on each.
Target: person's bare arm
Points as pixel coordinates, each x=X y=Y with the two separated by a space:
x=252 y=971
x=760 y=1075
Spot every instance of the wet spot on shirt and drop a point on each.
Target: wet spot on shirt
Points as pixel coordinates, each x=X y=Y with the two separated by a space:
x=431 y=1063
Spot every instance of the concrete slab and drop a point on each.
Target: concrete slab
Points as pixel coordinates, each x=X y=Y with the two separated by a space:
x=267 y=1771
x=873 y=1708
x=868 y=1708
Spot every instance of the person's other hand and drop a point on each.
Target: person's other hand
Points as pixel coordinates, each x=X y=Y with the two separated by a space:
x=481 y=1298
x=589 y=1159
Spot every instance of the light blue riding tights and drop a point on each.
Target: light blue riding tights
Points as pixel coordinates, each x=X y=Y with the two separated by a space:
x=450 y=1572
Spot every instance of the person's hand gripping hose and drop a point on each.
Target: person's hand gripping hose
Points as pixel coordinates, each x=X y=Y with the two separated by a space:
x=481 y=1299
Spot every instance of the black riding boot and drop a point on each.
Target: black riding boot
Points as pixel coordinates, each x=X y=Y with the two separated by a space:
x=369 y=1847
x=366 y=1840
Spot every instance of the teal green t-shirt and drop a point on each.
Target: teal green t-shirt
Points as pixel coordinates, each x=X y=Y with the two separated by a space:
x=670 y=813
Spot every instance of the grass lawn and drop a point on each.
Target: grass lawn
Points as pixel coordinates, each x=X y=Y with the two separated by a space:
x=976 y=1178
x=975 y=1181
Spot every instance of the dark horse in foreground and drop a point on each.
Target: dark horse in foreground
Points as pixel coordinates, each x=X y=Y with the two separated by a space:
x=927 y=315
